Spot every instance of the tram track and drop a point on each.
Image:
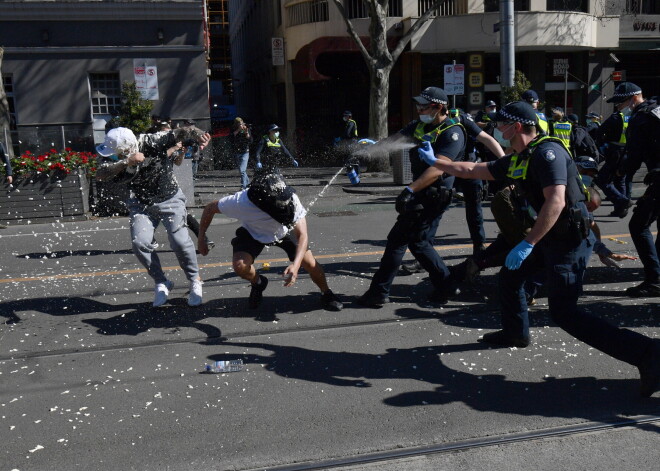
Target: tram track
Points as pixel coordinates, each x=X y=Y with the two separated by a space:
x=574 y=430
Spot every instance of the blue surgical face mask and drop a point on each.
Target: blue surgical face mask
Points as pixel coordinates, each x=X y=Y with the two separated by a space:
x=114 y=157
x=586 y=179
x=497 y=134
x=627 y=111
x=426 y=118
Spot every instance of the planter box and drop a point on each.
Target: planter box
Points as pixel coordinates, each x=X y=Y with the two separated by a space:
x=44 y=198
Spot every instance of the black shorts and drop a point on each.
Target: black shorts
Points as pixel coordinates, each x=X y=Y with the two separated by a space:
x=244 y=242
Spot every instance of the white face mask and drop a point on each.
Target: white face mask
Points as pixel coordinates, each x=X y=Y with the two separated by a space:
x=426 y=118
x=276 y=135
x=497 y=134
x=345 y=118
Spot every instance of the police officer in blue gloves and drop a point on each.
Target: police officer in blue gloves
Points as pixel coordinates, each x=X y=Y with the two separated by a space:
x=271 y=151
x=643 y=147
x=422 y=203
x=548 y=188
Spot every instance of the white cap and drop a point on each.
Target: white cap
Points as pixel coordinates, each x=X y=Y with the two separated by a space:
x=118 y=141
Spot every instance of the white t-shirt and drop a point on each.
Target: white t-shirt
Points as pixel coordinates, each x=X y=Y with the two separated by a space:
x=259 y=224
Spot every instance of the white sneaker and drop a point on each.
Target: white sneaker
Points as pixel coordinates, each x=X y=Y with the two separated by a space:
x=161 y=292
x=195 y=296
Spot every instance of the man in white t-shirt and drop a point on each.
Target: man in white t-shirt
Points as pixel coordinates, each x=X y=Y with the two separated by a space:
x=270 y=214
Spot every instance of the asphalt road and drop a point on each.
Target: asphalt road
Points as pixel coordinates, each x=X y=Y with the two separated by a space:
x=92 y=377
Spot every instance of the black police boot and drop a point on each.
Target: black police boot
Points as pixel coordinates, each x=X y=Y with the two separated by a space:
x=444 y=295
x=619 y=212
x=257 y=293
x=410 y=268
x=477 y=249
x=644 y=290
x=369 y=299
x=502 y=339
x=649 y=371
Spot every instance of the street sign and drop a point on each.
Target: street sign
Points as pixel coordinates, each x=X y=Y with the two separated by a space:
x=277 y=49
x=619 y=76
x=454 y=79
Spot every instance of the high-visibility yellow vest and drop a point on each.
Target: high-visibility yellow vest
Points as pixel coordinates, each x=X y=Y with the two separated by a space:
x=275 y=144
x=543 y=122
x=562 y=130
x=518 y=168
x=432 y=136
x=622 y=138
x=355 y=133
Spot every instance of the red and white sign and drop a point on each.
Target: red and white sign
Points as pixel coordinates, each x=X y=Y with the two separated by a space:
x=146 y=78
x=454 y=79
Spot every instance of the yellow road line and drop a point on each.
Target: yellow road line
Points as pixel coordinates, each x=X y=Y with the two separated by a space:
x=227 y=264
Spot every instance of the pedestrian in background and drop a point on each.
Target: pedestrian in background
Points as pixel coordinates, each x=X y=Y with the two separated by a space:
x=145 y=164
x=240 y=139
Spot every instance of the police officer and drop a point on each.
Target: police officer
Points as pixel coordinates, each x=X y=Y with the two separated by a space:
x=593 y=123
x=422 y=203
x=273 y=150
x=482 y=118
x=560 y=127
x=350 y=132
x=531 y=97
x=643 y=146
x=547 y=186
x=612 y=142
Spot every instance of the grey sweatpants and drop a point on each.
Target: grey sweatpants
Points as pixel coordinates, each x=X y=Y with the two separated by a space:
x=144 y=220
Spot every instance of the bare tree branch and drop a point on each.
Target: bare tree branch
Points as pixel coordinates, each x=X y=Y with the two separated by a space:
x=405 y=39
x=352 y=33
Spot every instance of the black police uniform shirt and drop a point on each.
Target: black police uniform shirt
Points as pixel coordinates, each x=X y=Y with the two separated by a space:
x=472 y=129
x=610 y=130
x=450 y=143
x=154 y=180
x=548 y=166
x=643 y=138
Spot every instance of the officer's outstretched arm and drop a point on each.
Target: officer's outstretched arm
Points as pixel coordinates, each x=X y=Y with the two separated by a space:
x=466 y=170
x=554 y=196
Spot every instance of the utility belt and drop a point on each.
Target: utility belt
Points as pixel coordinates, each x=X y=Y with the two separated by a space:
x=436 y=198
x=573 y=225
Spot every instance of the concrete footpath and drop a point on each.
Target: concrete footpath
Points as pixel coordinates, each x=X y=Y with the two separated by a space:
x=92 y=377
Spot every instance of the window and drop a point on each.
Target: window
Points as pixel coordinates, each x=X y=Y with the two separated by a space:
x=311 y=11
x=643 y=7
x=106 y=93
x=494 y=5
x=9 y=91
x=568 y=5
x=446 y=8
x=359 y=9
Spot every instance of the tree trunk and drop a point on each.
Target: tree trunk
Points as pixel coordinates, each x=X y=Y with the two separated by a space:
x=5 y=134
x=378 y=102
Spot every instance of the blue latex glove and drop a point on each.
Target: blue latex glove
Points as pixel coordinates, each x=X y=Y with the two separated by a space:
x=426 y=153
x=518 y=254
x=295 y=163
x=259 y=166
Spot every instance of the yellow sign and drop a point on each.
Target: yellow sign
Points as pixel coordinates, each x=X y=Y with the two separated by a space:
x=476 y=61
x=476 y=79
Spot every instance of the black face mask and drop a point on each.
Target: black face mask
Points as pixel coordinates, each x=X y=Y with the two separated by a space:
x=270 y=194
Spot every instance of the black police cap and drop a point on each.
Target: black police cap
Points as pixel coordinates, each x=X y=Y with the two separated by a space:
x=273 y=127
x=432 y=95
x=518 y=111
x=530 y=96
x=624 y=91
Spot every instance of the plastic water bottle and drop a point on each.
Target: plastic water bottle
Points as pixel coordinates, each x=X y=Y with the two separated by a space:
x=224 y=366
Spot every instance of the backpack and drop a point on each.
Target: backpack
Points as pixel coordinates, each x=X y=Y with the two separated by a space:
x=583 y=144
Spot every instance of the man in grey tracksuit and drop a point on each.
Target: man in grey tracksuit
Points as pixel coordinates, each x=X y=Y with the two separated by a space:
x=145 y=164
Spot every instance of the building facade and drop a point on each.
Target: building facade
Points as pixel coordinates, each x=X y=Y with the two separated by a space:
x=568 y=49
x=65 y=61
